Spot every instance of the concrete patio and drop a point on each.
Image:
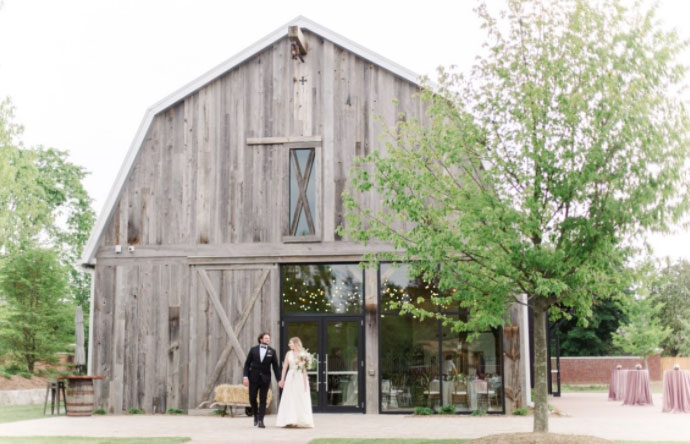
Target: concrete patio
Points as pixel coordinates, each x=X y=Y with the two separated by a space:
x=584 y=413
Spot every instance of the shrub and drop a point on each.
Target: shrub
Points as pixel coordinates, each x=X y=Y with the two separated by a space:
x=99 y=412
x=25 y=374
x=479 y=412
x=448 y=409
x=175 y=412
x=219 y=412
x=7 y=375
x=135 y=411
x=423 y=411
x=521 y=412
x=13 y=369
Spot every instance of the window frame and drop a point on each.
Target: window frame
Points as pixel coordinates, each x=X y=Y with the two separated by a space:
x=317 y=215
x=439 y=325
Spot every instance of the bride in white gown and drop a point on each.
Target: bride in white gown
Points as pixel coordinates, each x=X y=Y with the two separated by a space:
x=295 y=402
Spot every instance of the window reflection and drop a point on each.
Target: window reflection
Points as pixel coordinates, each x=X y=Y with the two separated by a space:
x=409 y=363
x=322 y=288
x=471 y=371
x=426 y=364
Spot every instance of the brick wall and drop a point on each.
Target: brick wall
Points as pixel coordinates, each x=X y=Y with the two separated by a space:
x=597 y=369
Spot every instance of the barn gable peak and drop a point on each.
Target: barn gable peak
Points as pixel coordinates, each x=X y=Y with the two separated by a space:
x=292 y=30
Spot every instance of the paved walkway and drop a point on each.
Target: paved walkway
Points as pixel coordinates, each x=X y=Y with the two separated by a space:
x=586 y=414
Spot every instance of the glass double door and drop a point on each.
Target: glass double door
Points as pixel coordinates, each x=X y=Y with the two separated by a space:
x=337 y=380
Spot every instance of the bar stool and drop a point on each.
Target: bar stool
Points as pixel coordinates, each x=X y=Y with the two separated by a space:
x=54 y=388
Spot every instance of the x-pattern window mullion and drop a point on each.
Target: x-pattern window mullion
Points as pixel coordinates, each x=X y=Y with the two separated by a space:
x=302 y=203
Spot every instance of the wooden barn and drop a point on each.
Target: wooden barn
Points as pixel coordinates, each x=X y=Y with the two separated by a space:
x=222 y=224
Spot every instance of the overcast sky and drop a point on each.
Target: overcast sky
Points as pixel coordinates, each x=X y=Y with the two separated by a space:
x=82 y=73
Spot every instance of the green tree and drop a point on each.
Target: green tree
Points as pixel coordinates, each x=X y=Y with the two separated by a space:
x=642 y=335
x=672 y=291
x=593 y=336
x=38 y=320
x=532 y=174
x=42 y=198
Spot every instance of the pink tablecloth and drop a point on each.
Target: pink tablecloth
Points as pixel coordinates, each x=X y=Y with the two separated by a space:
x=617 y=385
x=637 y=391
x=677 y=391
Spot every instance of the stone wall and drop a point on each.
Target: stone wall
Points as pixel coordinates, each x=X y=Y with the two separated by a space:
x=22 y=397
x=597 y=369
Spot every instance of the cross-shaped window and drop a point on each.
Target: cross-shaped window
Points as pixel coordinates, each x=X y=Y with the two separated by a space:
x=302 y=221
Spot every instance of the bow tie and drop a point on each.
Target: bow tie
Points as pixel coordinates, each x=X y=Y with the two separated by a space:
x=263 y=347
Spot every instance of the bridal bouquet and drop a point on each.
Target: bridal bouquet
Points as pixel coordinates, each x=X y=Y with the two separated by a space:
x=305 y=360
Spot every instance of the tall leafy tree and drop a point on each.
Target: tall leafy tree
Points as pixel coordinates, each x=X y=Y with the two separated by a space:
x=23 y=210
x=643 y=334
x=532 y=173
x=672 y=291
x=593 y=336
x=42 y=198
x=38 y=318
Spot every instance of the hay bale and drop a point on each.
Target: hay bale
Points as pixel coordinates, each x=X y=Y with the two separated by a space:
x=235 y=395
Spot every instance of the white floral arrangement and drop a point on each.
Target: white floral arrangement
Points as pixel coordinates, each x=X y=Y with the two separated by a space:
x=676 y=366
x=305 y=360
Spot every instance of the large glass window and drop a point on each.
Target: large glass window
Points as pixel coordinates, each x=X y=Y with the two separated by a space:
x=302 y=192
x=408 y=363
x=426 y=364
x=322 y=288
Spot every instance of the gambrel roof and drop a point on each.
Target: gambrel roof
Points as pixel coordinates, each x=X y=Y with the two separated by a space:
x=89 y=252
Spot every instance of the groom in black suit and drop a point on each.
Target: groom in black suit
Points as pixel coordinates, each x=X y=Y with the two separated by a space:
x=257 y=375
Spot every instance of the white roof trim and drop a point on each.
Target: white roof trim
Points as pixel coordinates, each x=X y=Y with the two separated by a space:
x=89 y=252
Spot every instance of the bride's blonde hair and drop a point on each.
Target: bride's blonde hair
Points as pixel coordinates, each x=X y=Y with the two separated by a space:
x=297 y=343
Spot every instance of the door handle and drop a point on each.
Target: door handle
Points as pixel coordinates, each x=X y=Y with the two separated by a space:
x=325 y=361
x=318 y=368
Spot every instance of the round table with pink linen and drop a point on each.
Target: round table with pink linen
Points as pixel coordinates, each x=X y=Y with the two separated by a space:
x=637 y=390
x=677 y=391
x=617 y=385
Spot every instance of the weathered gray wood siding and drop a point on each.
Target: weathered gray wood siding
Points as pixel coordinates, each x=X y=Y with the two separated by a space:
x=197 y=188
x=197 y=182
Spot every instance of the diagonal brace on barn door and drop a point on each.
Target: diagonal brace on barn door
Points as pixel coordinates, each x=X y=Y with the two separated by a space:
x=234 y=343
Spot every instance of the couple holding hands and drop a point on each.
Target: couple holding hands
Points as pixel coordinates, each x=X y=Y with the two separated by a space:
x=295 y=402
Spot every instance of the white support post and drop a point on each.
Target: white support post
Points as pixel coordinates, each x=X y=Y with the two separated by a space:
x=89 y=361
x=524 y=351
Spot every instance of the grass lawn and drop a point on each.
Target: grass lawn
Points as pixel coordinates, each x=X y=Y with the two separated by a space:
x=655 y=386
x=439 y=441
x=81 y=440
x=22 y=412
x=584 y=388
x=385 y=441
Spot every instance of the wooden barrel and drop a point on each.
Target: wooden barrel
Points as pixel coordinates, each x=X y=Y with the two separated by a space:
x=80 y=397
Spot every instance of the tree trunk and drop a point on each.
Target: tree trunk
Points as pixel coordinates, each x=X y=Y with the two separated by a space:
x=541 y=406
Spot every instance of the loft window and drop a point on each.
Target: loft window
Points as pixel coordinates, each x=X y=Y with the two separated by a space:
x=302 y=213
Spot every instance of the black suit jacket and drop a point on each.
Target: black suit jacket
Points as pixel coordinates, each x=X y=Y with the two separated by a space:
x=260 y=371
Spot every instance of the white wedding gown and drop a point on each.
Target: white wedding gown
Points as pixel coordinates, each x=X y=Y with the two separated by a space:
x=295 y=403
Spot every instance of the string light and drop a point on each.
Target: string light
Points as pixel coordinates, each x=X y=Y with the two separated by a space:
x=342 y=292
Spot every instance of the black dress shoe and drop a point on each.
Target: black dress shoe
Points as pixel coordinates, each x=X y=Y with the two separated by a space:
x=261 y=424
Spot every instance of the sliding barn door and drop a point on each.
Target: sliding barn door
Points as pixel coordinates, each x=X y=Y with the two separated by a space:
x=230 y=305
